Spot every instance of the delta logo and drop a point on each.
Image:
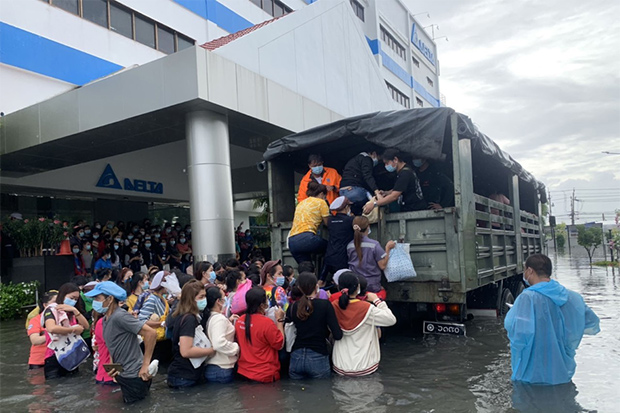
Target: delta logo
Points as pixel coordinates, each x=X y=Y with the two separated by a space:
x=109 y=180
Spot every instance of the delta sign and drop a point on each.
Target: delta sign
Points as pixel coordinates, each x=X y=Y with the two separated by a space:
x=422 y=47
x=109 y=180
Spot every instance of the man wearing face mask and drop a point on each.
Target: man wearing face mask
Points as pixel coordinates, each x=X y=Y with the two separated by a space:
x=358 y=182
x=120 y=333
x=545 y=326
x=407 y=190
x=340 y=234
x=437 y=188
x=322 y=175
x=78 y=262
x=103 y=264
x=78 y=237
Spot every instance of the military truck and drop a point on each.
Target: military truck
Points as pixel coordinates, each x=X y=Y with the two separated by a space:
x=468 y=256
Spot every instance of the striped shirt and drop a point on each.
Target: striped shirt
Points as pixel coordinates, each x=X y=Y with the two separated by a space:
x=152 y=305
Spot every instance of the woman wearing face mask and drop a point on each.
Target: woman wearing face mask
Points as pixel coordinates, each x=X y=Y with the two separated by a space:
x=358 y=352
x=203 y=272
x=79 y=268
x=310 y=213
x=181 y=372
x=124 y=279
x=60 y=319
x=272 y=280
x=259 y=339
x=115 y=255
x=407 y=190
x=104 y=263
x=185 y=250
x=139 y=283
x=175 y=255
x=340 y=234
x=87 y=257
x=366 y=257
x=163 y=256
x=314 y=320
x=149 y=254
x=133 y=258
x=221 y=332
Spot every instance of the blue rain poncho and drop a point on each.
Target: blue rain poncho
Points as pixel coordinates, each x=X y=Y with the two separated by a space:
x=545 y=326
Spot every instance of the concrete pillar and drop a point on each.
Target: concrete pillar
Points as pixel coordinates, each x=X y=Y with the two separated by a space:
x=210 y=186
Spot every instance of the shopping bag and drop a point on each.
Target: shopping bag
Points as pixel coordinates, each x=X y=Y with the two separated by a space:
x=399 y=266
x=70 y=351
x=290 y=334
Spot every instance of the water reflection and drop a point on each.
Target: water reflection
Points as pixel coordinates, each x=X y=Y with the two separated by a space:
x=545 y=399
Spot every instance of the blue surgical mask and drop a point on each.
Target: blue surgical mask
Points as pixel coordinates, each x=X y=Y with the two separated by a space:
x=129 y=237
x=417 y=162
x=87 y=232
x=317 y=170
x=134 y=250
x=375 y=161
x=182 y=240
x=88 y=248
x=96 y=236
x=115 y=247
x=369 y=231
x=202 y=304
x=70 y=302
x=98 y=307
x=280 y=281
x=75 y=250
x=146 y=286
x=147 y=245
x=390 y=168
x=212 y=277
x=525 y=280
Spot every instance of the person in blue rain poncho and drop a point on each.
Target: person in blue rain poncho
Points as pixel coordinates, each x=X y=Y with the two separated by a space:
x=545 y=326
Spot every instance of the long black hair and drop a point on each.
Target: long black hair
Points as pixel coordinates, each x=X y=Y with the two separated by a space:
x=200 y=267
x=305 y=286
x=213 y=294
x=348 y=284
x=232 y=277
x=255 y=298
x=137 y=278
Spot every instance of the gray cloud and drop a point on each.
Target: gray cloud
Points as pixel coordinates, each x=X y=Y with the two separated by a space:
x=543 y=80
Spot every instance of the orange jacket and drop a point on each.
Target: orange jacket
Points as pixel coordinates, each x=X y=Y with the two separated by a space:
x=331 y=177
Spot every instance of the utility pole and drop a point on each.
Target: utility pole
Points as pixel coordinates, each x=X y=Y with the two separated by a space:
x=572 y=208
x=555 y=246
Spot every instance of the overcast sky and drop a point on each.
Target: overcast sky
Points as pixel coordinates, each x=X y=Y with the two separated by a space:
x=543 y=80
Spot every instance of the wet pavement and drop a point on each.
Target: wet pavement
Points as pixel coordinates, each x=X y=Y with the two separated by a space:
x=417 y=374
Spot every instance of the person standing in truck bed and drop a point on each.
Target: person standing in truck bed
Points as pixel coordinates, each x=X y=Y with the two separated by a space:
x=321 y=175
x=437 y=188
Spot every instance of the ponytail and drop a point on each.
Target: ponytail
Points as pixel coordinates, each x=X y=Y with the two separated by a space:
x=306 y=284
x=360 y=225
x=348 y=284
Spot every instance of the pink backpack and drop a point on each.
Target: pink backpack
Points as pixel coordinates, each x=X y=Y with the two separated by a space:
x=238 y=305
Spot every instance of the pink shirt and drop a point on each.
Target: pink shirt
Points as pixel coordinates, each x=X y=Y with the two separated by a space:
x=104 y=354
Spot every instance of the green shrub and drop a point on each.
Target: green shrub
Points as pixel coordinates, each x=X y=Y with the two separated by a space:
x=560 y=240
x=14 y=296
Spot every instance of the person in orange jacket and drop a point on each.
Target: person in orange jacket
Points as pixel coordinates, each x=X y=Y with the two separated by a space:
x=322 y=175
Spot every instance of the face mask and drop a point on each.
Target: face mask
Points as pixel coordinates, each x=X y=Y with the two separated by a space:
x=156 y=236
x=142 y=232
x=98 y=307
x=70 y=302
x=163 y=245
x=146 y=285
x=117 y=239
x=188 y=230
x=81 y=234
x=115 y=247
x=88 y=248
x=147 y=245
x=147 y=238
x=525 y=280
x=375 y=161
x=168 y=230
x=317 y=170
x=292 y=282
x=172 y=242
x=212 y=277
x=202 y=304
x=418 y=162
x=110 y=226
x=129 y=237
x=369 y=231
x=389 y=167
x=182 y=240
x=280 y=281
x=95 y=236
x=76 y=250
x=98 y=226
x=107 y=257
x=134 y=250
x=87 y=232
x=135 y=230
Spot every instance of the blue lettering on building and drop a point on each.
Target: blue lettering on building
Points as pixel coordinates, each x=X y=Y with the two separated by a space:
x=109 y=180
x=422 y=47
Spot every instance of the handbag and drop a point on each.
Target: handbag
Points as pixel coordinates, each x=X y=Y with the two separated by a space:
x=399 y=266
x=70 y=351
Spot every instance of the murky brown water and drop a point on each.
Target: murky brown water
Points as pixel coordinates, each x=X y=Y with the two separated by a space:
x=417 y=374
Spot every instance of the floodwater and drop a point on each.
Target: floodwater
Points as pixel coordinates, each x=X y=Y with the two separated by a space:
x=417 y=374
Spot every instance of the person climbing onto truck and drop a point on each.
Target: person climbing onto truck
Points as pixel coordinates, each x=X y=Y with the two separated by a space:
x=407 y=190
x=358 y=182
x=437 y=188
x=321 y=175
x=310 y=213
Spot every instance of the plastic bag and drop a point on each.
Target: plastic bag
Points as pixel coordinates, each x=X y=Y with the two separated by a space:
x=172 y=284
x=400 y=266
x=239 y=306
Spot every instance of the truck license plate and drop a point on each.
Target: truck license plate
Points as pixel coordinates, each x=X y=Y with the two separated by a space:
x=435 y=327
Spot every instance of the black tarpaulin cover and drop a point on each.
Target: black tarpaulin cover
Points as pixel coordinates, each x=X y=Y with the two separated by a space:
x=419 y=132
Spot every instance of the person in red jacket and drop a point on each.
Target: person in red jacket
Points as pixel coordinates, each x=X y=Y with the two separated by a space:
x=322 y=175
x=259 y=339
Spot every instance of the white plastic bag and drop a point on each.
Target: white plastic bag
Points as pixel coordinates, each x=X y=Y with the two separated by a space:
x=201 y=341
x=400 y=267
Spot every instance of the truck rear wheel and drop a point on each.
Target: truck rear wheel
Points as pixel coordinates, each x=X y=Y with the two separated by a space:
x=507 y=298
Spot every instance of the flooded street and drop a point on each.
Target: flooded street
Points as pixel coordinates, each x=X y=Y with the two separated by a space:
x=417 y=374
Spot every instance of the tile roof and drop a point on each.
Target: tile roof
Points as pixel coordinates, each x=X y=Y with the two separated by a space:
x=222 y=41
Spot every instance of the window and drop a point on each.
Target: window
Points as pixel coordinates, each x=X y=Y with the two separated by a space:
x=416 y=62
x=120 y=21
x=419 y=102
x=393 y=43
x=429 y=81
x=145 y=31
x=358 y=9
x=96 y=11
x=398 y=96
x=71 y=6
x=274 y=7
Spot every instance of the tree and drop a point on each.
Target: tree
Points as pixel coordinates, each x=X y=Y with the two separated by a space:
x=589 y=238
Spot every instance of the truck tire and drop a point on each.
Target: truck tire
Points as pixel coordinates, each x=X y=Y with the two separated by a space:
x=507 y=298
x=519 y=289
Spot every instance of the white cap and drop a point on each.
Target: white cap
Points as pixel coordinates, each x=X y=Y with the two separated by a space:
x=159 y=277
x=339 y=203
x=339 y=273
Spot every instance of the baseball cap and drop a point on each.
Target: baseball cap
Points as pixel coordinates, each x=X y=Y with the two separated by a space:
x=108 y=288
x=339 y=203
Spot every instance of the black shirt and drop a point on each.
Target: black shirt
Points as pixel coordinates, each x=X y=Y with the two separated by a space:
x=181 y=367
x=436 y=187
x=408 y=184
x=312 y=332
x=340 y=234
x=359 y=172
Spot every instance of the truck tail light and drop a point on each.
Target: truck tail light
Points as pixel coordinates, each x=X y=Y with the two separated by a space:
x=440 y=308
x=454 y=309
